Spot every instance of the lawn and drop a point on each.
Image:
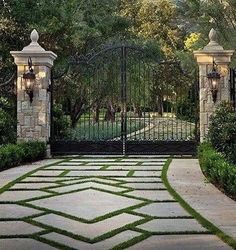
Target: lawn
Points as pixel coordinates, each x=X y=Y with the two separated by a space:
x=87 y=130
x=168 y=129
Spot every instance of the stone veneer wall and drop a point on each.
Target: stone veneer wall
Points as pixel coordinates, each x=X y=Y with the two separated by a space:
x=207 y=106
x=34 y=118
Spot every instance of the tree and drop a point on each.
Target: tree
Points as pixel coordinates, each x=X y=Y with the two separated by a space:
x=154 y=21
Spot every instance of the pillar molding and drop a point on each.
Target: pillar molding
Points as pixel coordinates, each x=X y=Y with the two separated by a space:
x=34 y=118
x=212 y=51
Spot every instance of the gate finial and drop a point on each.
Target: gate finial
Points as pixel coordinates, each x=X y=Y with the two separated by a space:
x=34 y=36
x=34 y=46
x=213 y=44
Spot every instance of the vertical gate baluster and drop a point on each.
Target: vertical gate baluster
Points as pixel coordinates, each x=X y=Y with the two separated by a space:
x=123 y=99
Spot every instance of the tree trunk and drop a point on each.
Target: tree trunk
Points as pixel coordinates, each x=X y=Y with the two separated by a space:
x=76 y=112
x=159 y=104
x=137 y=111
x=110 y=113
x=96 y=112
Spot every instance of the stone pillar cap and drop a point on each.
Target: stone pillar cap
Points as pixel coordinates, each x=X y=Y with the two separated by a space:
x=213 y=44
x=38 y=54
x=33 y=46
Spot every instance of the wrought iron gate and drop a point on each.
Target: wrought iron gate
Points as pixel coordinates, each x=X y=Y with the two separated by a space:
x=123 y=100
x=233 y=87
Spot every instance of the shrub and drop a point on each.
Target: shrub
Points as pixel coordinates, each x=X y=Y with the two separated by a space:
x=222 y=131
x=61 y=124
x=7 y=128
x=12 y=155
x=217 y=169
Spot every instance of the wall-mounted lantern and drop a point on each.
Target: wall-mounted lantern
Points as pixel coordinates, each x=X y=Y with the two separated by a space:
x=214 y=80
x=29 y=80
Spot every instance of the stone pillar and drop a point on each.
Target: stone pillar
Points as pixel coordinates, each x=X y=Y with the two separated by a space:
x=205 y=57
x=34 y=118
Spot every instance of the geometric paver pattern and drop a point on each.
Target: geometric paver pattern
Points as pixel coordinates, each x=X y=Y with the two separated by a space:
x=98 y=202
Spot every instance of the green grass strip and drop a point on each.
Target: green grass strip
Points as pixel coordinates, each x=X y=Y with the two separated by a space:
x=204 y=222
x=104 y=167
x=131 y=173
x=64 y=173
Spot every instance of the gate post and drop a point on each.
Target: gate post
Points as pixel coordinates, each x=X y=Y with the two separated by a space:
x=205 y=57
x=34 y=118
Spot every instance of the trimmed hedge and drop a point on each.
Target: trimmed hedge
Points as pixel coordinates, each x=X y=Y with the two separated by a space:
x=12 y=155
x=222 y=131
x=217 y=169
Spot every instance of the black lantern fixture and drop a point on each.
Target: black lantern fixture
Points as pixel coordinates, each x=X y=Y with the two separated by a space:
x=214 y=79
x=29 y=80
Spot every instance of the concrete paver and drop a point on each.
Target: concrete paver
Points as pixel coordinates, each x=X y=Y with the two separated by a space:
x=163 y=209
x=24 y=244
x=88 y=230
x=181 y=242
x=88 y=204
x=102 y=245
x=173 y=225
x=154 y=195
x=14 y=211
x=21 y=195
x=17 y=228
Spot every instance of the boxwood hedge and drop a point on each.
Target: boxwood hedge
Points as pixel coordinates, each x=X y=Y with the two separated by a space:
x=217 y=168
x=12 y=155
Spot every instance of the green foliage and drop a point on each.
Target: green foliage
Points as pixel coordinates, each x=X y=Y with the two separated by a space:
x=61 y=123
x=217 y=169
x=222 y=131
x=12 y=155
x=7 y=123
x=154 y=20
x=186 y=109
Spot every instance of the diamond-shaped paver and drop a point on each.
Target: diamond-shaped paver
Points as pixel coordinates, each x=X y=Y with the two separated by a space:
x=88 y=204
x=23 y=244
x=102 y=245
x=172 y=225
x=90 y=231
x=14 y=211
x=17 y=228
x=163 y=209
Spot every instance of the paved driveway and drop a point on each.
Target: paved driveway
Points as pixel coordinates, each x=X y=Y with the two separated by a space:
x=98 y=203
